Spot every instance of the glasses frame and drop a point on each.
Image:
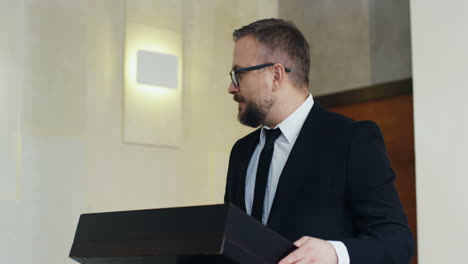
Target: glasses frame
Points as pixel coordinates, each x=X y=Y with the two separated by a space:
x=234 y=73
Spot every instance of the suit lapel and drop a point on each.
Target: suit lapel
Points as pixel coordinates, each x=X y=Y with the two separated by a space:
x=303 y=155
x=246 y=151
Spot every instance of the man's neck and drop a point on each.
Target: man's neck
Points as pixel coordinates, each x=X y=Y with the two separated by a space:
x=285 y=108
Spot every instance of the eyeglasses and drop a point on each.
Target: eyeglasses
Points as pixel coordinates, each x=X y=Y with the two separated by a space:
x=235 y=73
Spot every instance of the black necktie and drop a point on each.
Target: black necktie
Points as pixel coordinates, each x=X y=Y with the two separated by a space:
x=263 y=171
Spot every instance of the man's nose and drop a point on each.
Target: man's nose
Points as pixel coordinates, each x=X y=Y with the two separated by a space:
x=232 y=88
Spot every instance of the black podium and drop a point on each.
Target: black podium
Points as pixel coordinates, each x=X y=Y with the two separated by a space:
x=199 y=234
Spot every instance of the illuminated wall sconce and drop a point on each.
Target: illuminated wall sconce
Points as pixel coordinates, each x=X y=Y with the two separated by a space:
x=153 y=85
x=157 y=69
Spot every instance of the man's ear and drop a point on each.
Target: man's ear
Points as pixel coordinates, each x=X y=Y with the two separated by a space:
x=278 y=76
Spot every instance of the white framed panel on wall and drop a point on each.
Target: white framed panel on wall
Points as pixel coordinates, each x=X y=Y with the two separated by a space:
x=152 y=114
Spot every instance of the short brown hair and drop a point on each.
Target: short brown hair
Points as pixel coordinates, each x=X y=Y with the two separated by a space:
x=283 y=43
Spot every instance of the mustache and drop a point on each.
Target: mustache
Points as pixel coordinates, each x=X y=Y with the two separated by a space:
x=238 y=98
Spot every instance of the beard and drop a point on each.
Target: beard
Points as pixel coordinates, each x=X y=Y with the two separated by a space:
x=254 y=113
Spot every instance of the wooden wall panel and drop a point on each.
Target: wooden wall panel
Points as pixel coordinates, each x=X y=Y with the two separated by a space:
x=394 y=115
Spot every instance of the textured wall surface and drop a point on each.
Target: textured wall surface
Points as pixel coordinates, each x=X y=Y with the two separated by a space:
x=338 y=36
x=353 y=43
x=390 y=40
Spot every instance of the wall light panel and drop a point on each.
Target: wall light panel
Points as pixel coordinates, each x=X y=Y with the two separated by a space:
x=152 y=97
x=156 y=69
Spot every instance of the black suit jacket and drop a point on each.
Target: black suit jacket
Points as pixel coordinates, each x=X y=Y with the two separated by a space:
x=337 y=184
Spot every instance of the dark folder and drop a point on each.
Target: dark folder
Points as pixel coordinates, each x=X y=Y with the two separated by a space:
x=198 y=234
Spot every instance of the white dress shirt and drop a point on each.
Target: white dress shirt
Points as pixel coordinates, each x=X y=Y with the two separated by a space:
x=290 y=128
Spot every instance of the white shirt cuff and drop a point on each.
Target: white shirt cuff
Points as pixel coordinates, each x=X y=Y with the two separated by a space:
x=341 y=252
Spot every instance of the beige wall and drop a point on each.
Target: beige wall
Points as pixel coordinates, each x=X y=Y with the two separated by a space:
x=440 y=63
x=61 y=97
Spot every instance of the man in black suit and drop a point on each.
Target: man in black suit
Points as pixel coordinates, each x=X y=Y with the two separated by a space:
x=315 y=177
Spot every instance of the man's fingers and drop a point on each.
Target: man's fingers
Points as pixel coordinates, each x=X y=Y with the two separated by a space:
x=311 y=250
x=301 y=241
x=303 y=261
x=294 y=257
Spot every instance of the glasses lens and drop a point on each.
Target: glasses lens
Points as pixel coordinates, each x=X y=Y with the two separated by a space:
x=234 y=78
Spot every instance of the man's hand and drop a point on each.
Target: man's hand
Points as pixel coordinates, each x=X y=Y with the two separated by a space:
x=311 y=250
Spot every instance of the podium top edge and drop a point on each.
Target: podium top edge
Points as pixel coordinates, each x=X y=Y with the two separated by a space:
x=229 y=205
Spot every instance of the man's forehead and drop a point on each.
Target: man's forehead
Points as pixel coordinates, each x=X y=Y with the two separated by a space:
x=246 y=50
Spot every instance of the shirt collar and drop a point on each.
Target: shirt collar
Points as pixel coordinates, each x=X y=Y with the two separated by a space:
x=291 y=126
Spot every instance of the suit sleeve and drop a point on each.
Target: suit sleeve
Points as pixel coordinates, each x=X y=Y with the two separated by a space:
x=382 y=233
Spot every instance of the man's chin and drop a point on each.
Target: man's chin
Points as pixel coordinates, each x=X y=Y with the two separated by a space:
x=247 y=122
